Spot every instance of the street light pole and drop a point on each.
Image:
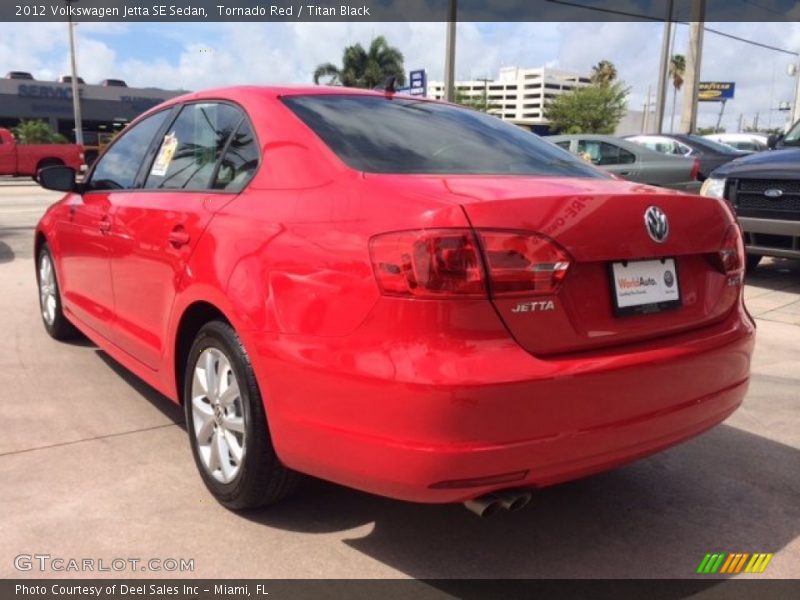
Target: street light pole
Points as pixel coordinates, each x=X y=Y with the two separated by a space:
x=793 y=71
x=450 y=54
x=76 y=99
x=693 y=64
x=661 y=101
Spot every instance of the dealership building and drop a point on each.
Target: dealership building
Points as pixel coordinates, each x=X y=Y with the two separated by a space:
x=103 y=108
x=520 y=95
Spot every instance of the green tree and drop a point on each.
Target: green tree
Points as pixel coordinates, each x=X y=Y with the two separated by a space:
x=604 y=73
x=677 y=69
x=481 y=102
x=37 y=132
x=709 y=130
x=364 y=68
x=591 y=109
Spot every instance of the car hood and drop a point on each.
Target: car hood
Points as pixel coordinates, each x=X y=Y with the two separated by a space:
x=776 y=163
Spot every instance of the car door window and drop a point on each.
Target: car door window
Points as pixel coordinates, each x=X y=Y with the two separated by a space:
x=192 y=145
x=117 y=168
x=604 y=154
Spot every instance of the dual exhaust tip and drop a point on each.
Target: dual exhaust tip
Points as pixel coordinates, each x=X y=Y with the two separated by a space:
x=490 y=504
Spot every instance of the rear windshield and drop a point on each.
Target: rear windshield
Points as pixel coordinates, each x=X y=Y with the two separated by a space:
x=403 y=135
x=712 y=145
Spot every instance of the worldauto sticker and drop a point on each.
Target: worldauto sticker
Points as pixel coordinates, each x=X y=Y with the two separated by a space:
x=635 y=282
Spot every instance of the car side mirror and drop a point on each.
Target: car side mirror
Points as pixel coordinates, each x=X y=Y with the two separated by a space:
x=59 y=179
x=772 y=141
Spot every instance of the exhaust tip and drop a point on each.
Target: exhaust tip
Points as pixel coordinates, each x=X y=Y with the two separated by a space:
x=514 y=499
x=519 y=503
x=484 y=506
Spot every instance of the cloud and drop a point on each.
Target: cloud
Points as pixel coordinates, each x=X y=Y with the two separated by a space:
x=197 y=56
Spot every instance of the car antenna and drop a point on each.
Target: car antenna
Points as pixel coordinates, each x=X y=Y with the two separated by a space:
x=389 y=85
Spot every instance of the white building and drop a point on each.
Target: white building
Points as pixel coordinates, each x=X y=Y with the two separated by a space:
x=520 y=94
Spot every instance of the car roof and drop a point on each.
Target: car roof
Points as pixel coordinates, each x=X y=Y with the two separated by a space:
x=598 y=137
x=249 y=92
x=244 y=94
x=737 y=136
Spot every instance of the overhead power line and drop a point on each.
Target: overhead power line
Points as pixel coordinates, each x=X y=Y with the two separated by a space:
x=656 y=19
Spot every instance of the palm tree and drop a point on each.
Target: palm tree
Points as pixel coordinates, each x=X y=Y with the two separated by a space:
x=677 y=69
x=365 y=69
x=604 y=73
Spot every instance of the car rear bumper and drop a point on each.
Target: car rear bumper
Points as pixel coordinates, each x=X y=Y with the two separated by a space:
x=411 y=432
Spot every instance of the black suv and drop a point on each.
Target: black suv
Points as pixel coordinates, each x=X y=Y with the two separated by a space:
x=764 y=190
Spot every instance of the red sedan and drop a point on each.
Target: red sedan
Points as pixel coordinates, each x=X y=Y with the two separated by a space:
x=398 y=295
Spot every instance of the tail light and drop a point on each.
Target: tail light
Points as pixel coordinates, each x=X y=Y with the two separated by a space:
x=435 y=263
x=523 y=263
x=428 y=263
x=695 y=170
x=730 y=258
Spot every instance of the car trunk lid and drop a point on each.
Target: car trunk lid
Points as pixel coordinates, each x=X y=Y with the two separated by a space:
x=600 y=223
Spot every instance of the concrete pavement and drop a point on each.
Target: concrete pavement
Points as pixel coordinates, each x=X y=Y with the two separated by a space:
x=94 y=464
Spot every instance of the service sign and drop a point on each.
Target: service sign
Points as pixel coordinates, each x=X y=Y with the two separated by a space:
x=418 y=83
x=716 y=91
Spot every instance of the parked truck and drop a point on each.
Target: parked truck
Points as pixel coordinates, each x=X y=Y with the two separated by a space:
x=27 y=159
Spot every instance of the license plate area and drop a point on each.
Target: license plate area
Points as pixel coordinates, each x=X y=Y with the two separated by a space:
x=644 y=286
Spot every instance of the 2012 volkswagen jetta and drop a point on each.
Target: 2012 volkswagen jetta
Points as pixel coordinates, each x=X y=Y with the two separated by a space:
x=395 y=294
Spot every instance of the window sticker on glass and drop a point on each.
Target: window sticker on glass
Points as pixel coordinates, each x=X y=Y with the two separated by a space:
x=165 y=154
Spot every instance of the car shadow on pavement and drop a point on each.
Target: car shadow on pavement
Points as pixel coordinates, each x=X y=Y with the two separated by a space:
x=6 y=253
x=775 y=274
x=726 y=491
x=166 y=406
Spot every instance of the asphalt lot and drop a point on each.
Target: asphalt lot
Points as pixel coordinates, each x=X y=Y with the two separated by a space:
x=94 y=464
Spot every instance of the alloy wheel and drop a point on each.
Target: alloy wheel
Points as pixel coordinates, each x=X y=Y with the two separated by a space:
x=47 y=289
x=218 y=415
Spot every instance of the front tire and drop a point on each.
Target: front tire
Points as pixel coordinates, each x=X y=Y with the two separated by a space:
x=227 y=426
x=55 y=323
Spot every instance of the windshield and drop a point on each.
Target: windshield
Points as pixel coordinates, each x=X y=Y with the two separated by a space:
x=402 y=135
x=793 y=137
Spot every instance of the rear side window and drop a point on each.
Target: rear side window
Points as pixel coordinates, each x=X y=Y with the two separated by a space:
x=117 y=168
x=192 y=145
x=402 y=135
x=604 y=154
x=239 y=161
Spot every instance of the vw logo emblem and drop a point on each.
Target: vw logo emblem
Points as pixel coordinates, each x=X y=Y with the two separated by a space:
x=655 y=221
x=773 y=193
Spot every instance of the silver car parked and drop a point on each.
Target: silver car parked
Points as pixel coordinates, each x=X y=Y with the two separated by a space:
x=632 y=161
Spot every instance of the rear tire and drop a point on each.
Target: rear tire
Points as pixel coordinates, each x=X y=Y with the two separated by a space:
x=50 y=307
x=227 y=426
x=752 y=261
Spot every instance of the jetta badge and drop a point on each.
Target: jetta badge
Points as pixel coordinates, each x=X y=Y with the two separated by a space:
x=773 y=193
x=655 y=221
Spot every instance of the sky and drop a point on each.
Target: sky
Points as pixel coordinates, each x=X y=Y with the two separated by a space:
x=195 y=56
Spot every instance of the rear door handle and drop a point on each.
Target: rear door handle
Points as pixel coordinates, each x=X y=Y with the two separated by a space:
x=178 y=237
x=105 y=225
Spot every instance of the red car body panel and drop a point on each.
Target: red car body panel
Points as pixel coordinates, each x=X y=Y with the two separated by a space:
x=400 y=396
x=25 y=159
